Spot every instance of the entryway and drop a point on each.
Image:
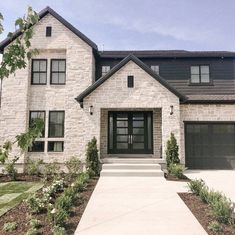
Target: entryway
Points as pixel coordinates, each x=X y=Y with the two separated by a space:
x=130 y=132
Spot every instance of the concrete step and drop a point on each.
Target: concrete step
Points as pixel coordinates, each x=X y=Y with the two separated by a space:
x=133 y=173
x=133 y=160
x=126 y=166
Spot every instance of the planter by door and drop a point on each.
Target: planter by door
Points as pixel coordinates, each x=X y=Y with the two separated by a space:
x=130 y=133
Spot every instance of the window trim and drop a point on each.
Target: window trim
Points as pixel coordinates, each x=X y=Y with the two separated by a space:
x=31 y=151
x=55 y=111
x=60 y=59
x=56 y=141
x=210 y=83
x=32 y=72
x=43 y=111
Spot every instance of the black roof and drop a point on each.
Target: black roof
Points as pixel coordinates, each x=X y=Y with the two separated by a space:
x=167 y=54
x=119 y=66
x=43 y=13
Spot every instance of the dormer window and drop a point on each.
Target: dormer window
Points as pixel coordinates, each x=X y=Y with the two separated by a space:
x=105 y=70
x=200 y=74
x=155 y=68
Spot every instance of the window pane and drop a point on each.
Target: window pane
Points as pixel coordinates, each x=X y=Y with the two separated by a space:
x=194 y=69
x=155 y=68
x=55 y=78
x=138 y=123
x=37 y=114
x=122 y=138
x=55 y=146
x=62 y=66
x=105 y=70
x=122 y=131
x=61 y=78
x=43 y=66
x=195 y=78
x=111 y=131
x=56 y=124
x=38 y=146
x=138 y=145
x=43 y=77
x=205 y=69
x=36 y=78
x=122 y=145
x=54 y=65
x=205 y=78
x=35 y=65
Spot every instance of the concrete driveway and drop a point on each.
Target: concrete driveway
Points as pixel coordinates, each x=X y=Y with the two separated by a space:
x=138 y=206
x=221 y=180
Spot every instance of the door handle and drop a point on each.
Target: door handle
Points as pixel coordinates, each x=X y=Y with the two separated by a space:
x=131 y=139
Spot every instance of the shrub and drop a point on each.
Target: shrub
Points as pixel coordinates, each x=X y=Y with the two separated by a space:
x=64 y=202
x=58 y=216
x=222 y=210
x=51 y=190
x=92 y=159
x=51 y=171
x=196 y=186
x=204 y=194
x=33 y=231
x=9 y=168
x=33 y=167
x=74 y=166
x=35 y=223
x=177 y=170
x=36 y=204
x=215 y=227
x=214 y=196
x=81 y=181
x=57 y=230
x=10 y=226
x=172 y=151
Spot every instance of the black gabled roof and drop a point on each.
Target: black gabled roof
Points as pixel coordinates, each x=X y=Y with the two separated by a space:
x=43 y=13
x=133 y=58
x=167 y=54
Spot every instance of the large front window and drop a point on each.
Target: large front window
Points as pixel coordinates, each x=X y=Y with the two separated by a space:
x=56 y=124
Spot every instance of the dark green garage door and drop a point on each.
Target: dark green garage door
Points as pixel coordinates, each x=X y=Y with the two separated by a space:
x=210 y=145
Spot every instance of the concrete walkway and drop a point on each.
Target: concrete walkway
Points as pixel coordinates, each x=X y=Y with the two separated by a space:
x=138 y=206
x=221 y=180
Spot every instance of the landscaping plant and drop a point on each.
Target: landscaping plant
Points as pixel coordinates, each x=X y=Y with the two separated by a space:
x=74 y=166
x=10 y=169
x=172 y=151
x=92 y=158
x=58 y=230
x=215 y=227
x=33 y=167
x=10 y=226
x=51 y=171
x=176 y=170
x=196 y=186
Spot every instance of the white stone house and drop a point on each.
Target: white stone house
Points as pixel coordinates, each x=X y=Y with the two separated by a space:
x=131 y=101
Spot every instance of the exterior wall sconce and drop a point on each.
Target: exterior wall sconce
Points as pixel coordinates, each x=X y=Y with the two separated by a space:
x=171 y=109
x=91 y=110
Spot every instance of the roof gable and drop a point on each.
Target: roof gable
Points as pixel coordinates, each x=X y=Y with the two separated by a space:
x=42 y=14
x=133 y=58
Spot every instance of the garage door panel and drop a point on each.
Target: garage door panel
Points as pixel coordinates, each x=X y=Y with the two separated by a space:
x=210 y=145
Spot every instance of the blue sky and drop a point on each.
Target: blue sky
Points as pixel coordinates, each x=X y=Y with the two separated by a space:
x=141 y=24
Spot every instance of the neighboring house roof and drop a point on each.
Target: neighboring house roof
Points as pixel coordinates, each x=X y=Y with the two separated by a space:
x=210 y=99
x=142 y=65
x=167 y=54
x=43 y=13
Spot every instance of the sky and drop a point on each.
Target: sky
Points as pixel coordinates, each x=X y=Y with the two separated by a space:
x=141 y=24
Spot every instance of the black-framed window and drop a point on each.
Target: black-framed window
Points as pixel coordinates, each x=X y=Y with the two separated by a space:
x=38 y=146
x=105 y=69
x=155 y=68
x=55 y=146
x=130 y=81
x=58 y=71
x=48 y=31
x=56 y=124
x=39 y=72
x=200 y=74
x=35 y=115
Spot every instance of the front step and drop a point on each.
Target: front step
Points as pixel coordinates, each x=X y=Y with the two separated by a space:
x=133 y=160
x=135 y=173
x=126 y=166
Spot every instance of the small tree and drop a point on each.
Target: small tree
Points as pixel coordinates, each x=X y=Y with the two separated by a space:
x=92 y=159
x=172 y=151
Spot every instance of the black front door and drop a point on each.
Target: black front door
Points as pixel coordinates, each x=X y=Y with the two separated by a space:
x=130 y=132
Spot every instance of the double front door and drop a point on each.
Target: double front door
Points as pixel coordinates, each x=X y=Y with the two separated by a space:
x=130 y=132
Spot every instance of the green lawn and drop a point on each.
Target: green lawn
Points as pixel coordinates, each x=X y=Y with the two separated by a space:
x=13 y=193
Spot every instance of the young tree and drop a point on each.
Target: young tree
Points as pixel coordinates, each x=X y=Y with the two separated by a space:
x=172 y=151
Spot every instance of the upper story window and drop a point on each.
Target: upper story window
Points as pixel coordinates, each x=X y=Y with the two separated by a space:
x=200 y=74
x=105 y=70
x=155 y=68
x=48 y=31
x=39 y=71
x=58 y=71
x=56 y=124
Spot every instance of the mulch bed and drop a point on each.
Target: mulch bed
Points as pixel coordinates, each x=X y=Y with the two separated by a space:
x=173 y=178
x=201 y=211
x=20 y=177
x=19 y=214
